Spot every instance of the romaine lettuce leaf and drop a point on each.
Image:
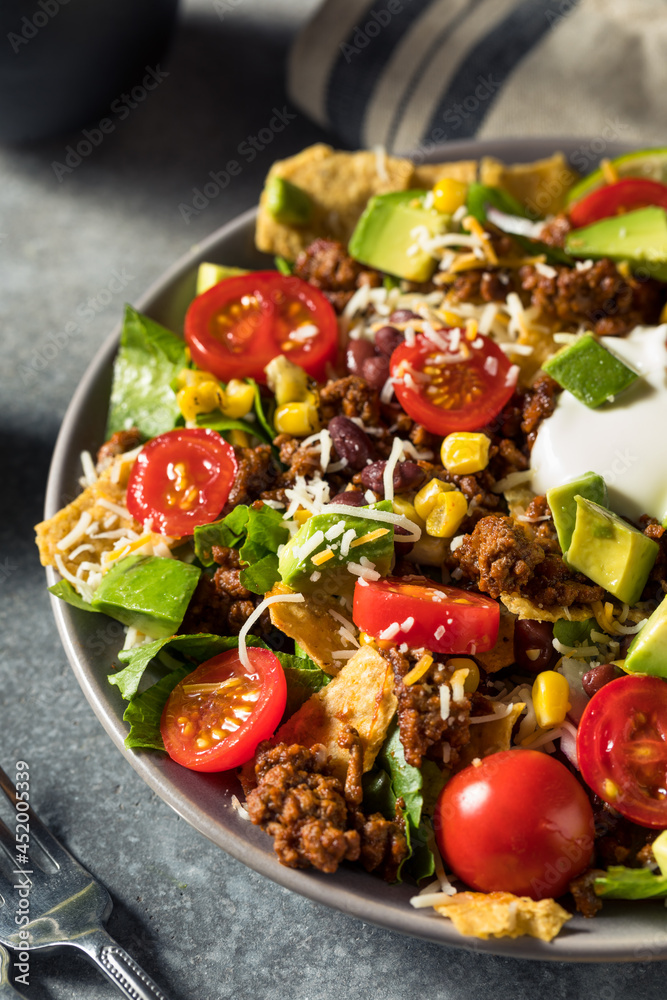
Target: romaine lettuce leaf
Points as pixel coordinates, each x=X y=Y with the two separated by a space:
x=303 y=677
x=219 y=422
x=145 y=711
x=197 y=648
x=148 y=360
x=66 y=592
x=630 y=883
x=257 y=532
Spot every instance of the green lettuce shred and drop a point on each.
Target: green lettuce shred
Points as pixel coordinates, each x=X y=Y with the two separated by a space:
x=619 y=882
x=257 y=532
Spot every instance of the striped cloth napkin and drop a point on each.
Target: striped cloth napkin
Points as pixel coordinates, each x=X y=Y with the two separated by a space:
x=410 y=74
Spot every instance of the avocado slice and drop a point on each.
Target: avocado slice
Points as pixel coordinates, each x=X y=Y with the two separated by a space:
x=590 y=372
x=147 y=592
x=209 y=275
x=610 y=551
x=300 y=559
x=384 y=237
x=287 y=203
x=640 y=237
x=563 y=506
x=647 y=653
x=649 y=163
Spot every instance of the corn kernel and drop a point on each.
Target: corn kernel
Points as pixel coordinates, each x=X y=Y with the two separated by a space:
x=449 y=194
x=446 y=516
x=428 y=495
x=663 y=314
x=287 y=381
x=551 y=694
x=239 y=439
x=471 y=683
x=301 y=516
x=407 y=509
x=201 y=398
x=193 y=376
x=429 y=551
x=464 y=452
x=239 y=399
x=297 y=419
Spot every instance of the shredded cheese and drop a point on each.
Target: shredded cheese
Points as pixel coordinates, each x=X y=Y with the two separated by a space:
x=257 y=613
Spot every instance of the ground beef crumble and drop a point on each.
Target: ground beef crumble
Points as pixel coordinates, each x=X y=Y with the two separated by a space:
x=326 y=265
x=118 y=444
x=257 y=473
x=221 y=605
x=499 y=555
x=422 y=729
x=314 y=819
x=351 y=396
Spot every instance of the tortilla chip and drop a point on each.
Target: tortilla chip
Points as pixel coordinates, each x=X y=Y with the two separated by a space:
x=428 y=174
x=339 y=184
x=501 y=914
x=490 y=737
x=502 y=654
x=524 y=608
x=50 y=532
x=361 y=696
x=310 y=624
x=541 y=186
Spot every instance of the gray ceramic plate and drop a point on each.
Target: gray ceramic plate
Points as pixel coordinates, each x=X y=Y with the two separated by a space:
x=622 y=932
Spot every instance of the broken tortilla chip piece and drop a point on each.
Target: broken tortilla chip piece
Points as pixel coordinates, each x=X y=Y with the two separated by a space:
x=524 y=608
x=361 y=696
x=91 y=502
x=311 y=624
x=502 y=654
x=426 y=175
x=489 y=737
x=339 y=185
x=541 y=186
x=501 y=914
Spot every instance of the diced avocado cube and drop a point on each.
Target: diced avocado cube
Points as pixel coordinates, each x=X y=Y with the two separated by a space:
x=610 y=551
x=590 y=372
x=307 y=566
x=563 y=506
x=640 y=237
x=386 y=235
x=288 y=203
x=147 y=592
x=209 y=275
x=647 y=653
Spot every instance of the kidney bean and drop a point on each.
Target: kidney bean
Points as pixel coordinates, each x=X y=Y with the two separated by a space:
x=357 y=352
x=597 y=677
x=351 y=442
x=353 y=498
x=407 y=476
x=376 y=371
x=403 y=316
x=387 y=339
x=532 y=635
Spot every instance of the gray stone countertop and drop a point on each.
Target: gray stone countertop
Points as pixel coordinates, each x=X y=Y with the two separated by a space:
x=73 y=250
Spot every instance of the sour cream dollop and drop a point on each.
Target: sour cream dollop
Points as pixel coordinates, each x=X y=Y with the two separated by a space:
x=624 y=441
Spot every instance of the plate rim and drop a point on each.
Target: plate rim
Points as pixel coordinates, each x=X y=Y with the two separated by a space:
x=340 y=891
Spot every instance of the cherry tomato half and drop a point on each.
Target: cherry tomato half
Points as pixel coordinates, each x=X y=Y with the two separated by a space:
x=181 y=479
x=460 y=388
x=622 y=747
x=215 y=717
x=236 y=327
x=443 y=619
x=617 y=199
x=518 y=822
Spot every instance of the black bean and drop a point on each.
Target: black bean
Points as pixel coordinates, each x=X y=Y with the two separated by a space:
x=536 y=638
x=387 y=339
x=357 y=352
x=407 y=476
x=403 y=316
x=351 y=443
x=376 y=371
x=353 y=498
x=597 y=677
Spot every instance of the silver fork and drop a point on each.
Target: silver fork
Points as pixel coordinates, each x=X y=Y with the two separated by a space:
x=65 y=906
